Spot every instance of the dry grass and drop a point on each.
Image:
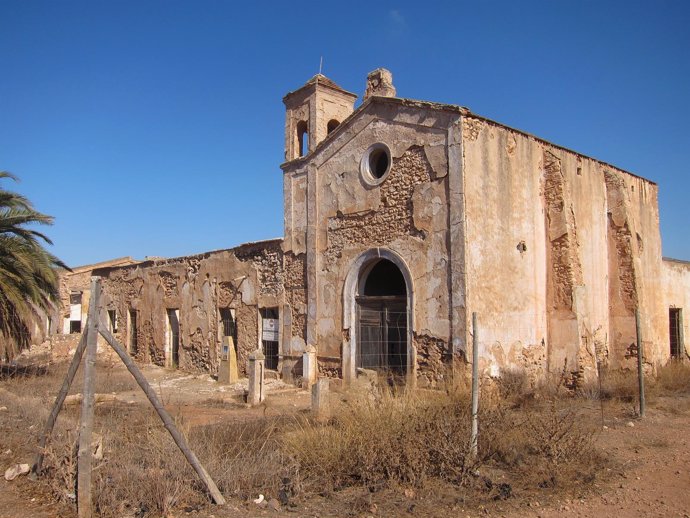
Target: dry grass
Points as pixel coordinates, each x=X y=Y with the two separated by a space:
x=423 y=437
x=674 y=378
x=411 y=439
x=405 y=439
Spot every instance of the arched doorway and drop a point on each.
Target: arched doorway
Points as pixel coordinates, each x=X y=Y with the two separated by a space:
x=382 y=319
x=378 y=316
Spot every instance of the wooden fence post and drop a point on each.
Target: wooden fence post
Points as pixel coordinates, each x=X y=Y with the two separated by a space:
x=85 y=454
x=59 y=401
x=475 y=386
x=640 y=360
x=165 y=417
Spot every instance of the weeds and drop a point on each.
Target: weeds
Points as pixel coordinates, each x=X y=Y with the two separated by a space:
x=418 y=438
x=529 y=434
x=674 y=377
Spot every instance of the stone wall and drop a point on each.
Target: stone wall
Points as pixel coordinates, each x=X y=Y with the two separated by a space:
x=244 y=279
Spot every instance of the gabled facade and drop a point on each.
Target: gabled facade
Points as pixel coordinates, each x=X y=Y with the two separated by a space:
x=402 y=218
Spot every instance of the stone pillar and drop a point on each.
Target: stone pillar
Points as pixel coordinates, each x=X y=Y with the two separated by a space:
x=320 y=404
x=256 y=378
x=227 y=370
x=310 y=368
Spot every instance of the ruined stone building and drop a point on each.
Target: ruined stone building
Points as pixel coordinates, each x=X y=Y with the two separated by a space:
x=402 y=218
x=68 y=321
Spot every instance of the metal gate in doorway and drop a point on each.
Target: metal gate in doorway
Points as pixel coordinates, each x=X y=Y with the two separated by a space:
x=382 y=334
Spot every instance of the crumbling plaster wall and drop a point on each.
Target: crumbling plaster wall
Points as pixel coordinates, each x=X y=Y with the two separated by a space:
x=540 y=250
x=676 y=280
x=407 y=213
x=506 y=286
x=245 y=278
x=645 y=243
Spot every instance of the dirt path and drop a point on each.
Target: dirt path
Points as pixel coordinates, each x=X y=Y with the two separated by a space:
x=651 y=473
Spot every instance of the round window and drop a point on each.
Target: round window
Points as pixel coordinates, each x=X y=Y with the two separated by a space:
x=376 y=164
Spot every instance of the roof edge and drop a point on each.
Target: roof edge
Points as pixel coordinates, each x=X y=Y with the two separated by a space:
x=679 y=261
x=453 y=108
x=165 y=260
x=322 y=81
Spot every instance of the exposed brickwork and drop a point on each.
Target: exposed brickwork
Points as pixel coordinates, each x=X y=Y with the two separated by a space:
x=329 y=368
x=393 y=219
x=155 y=351
x=564 y=264
x=198 y=355
x=431 y=369
x=471 y=128
x=248 y=337
x=622 y=237
x=228 y=293
x=268 y=261
x=168 y=282
x=296 y=293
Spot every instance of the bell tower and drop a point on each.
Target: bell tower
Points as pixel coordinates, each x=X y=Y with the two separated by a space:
x=312 y=112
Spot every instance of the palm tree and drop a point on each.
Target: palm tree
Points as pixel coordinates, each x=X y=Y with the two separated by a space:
x=28 y=272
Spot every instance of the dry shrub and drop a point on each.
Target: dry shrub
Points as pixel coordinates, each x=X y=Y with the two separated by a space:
x=143 y=472
x=424 y=436
x=619 y=384
x=550 y=445
x=244 y=457
x=110 y=379
x=515 y=388
x=408 y=440
x=513 y=384
x=674 y=377
x=369 y=443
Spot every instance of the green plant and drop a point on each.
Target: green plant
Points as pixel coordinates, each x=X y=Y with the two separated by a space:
x=28 y=275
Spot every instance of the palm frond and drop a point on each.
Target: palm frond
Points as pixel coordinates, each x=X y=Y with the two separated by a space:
x=29 y=282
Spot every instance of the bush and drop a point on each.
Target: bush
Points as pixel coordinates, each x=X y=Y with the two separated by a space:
x=420 y=437
x=674 y=377
x=405 y=439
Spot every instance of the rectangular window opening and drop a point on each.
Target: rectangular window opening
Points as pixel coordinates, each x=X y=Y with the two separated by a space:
x=112 y=321
x=173 y=338
x=227 y=320
x=133 y=344
x=75 y=299
x=675 y=318
x=270 y=336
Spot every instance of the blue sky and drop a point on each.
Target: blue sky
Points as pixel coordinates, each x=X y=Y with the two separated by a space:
x=155 y=128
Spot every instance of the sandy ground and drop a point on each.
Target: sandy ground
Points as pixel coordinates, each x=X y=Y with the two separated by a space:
x=649 y=459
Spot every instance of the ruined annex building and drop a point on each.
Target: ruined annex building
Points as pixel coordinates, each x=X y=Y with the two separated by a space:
x=402 y=218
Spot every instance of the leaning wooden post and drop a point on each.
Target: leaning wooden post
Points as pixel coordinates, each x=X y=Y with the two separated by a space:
x=640 y=360
x=87 y=406
x=59 y=401
x=165 y=417
x=475 y=386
